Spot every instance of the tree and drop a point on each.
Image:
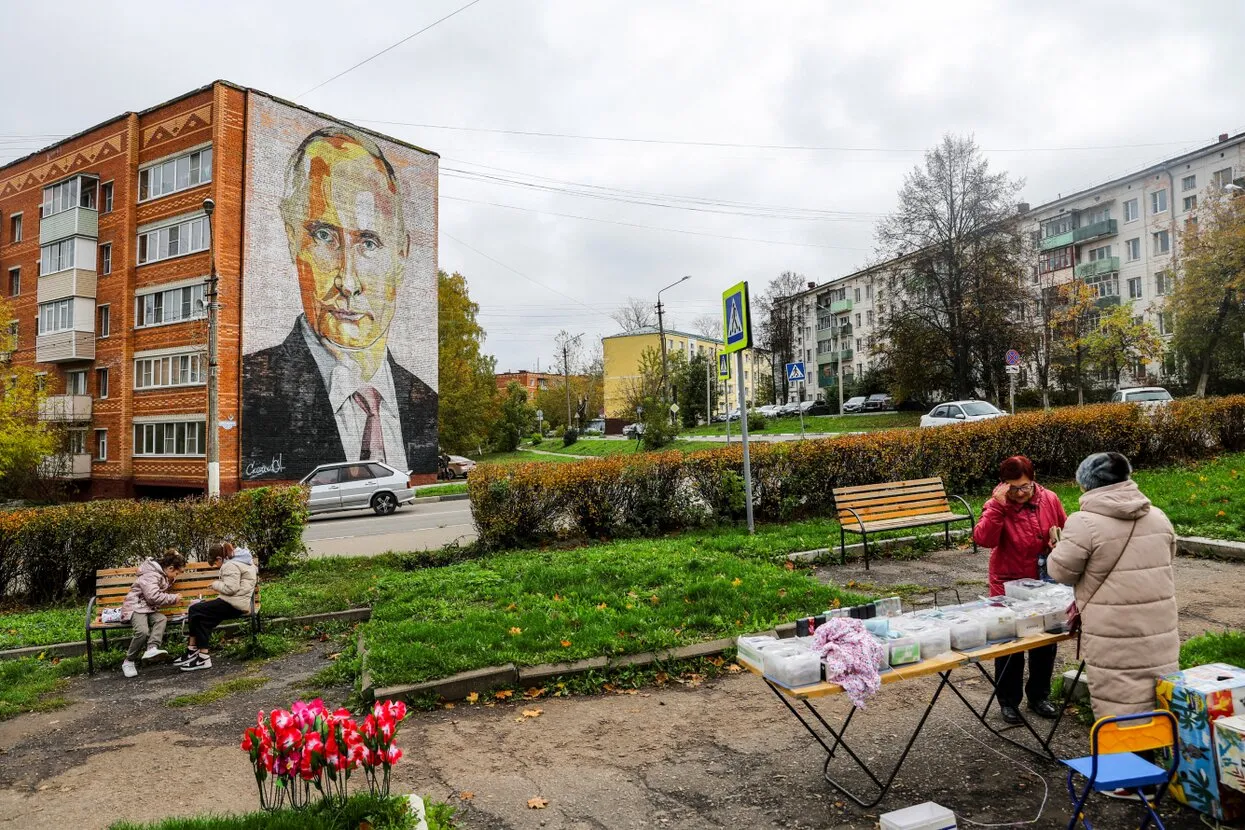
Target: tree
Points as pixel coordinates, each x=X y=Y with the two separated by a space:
x=957 y=271
x=467 y=396
x=694 y=388
x=1120 y=339
x=1072 y=319
x=708 y=326
x=635 y=314
x=27 y=442
x=1208 y=303
x=515 y=419
x=778 y=319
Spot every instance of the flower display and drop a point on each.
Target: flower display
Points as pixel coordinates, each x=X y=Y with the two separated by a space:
x=307 y=749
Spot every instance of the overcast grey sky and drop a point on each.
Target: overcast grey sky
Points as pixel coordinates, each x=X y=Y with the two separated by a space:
x=868 y=85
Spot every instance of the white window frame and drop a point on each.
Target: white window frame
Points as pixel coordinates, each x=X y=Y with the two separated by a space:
x=1190 y=203
x=1162 y=283
x=75 y=382
x=75 y=441
x=1101 y=252
x=105 y=258
x=197 y=310
x=103 y=320
x=1134 y=288
x=56 y=316
x=16 y=224
x=1157 y=197
x=101 y=383
x=167 y=370
x=106 y=206
x=1188 y=183
x=158 y=439
x=56 y=264
x=1132 y=249
x=101 y=445
x=1220 y=179
x=160 y=240
x=190 y=163
x=1132 y=210
x=1166 y=245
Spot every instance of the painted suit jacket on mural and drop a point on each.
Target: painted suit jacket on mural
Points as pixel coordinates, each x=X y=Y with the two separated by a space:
x=290 y=424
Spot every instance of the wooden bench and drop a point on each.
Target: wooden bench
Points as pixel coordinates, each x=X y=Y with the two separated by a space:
x=872 y=508
x=112 y=584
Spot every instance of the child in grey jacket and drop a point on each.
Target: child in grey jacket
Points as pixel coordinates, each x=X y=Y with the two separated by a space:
x=234 y=589
x=150 y=592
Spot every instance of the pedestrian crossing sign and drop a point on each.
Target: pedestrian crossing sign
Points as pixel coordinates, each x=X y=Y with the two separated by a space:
x=795 y=372
x=724 y=367
x=736 y=322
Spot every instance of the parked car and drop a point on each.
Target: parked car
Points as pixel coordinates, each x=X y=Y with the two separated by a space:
x=856 y=404
x=879 y=402
x=633 y=430
x=959 y=412
x=459 y=467
x=597 y=425
x=792 y=408
x=818 y=408
x=1148 y=396
x=358 y=485
x=770 y=410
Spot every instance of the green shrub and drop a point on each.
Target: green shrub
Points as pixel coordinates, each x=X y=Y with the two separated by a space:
x=655 y=493
x=570 y=437
x=50 y=553
x=537 y=439
x=357 y=811
x=756 y=422
x=559 y=431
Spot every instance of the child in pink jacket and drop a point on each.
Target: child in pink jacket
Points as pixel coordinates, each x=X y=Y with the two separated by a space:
x=149 y=593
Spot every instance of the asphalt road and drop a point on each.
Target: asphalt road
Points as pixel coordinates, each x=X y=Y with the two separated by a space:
x=412 y=527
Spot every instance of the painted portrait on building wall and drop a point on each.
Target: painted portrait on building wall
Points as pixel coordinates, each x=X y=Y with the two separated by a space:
x=339 y=331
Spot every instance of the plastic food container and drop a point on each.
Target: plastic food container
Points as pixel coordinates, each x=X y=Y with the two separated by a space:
x=793 y=668
x=903 y=649
x=772 y=656
x=1000 y=623
x=749 y=648
x=889 y=607
x=1024 y=588
x=967 y=633
x=933 y=638
x=1030 y=618
x=927 y=816
x=879 y=626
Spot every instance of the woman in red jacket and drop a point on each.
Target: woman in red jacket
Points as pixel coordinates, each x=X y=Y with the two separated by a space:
x=1017 y=524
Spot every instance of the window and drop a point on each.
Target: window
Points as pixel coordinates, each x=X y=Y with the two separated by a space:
x=58 y=256
x=857 y=294
x=323 y=477
x=76 y=439
x=1057 y=226
x=1162 y=283
x=75 y=382
x=1055 y=260
x=174 y=240
x=101 y=383
x=174 y=438
x=176 y=174
x=15 y=282
x=1134 y=288
x=1188 y=183
x=15 y=228
x=869 y=317
x=1158 y=201
x=1103 y=252
x=105 y=258
x=1222 y=178
x=858 y=318
x=171 y=306
x=105 y=321
x=1162 y=242
x=1131 y=211
x=56 y=316
x=101 y=445
x=869 y=292
x=1190 y=203
x=1132 y=248
x=105 y=197
x=12 y=336
x=1104 y=285
x=1165 y=323
x=76 y=192
x=169 y=370
x=1099 y=215
x=1169 y=364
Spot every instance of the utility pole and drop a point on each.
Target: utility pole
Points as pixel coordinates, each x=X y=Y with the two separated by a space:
x=708 y=388
x=564 y=345
x=213 y=393
x=661 y=332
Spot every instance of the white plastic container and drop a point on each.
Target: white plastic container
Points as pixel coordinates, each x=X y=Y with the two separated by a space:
x=903 y=649
x=878 y=626
x=933 y=637
x=889 y=607
x=967 y=633
x=1023 y=588
x=927 y=816
x=1030 y=618
x=1000 y=623
x=771 y=657
x=793 y=669
x=748 y=649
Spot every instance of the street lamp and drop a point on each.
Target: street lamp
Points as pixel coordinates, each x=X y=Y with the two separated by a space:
x=213 y=404
x=661 y=332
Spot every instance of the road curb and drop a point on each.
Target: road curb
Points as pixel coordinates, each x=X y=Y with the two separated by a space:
x=77 y=649
x=365 y=674
x=858 y=548
x=1217 y=548
x=434 y=499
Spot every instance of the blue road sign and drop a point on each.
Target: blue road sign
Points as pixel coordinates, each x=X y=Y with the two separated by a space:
x=795 y=372
x=1012 y=357
x=736 y=322
x=724 y=367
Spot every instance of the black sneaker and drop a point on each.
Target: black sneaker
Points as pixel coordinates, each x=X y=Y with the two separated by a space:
x=186 y=658
x=1010 y=714
x=199 y=661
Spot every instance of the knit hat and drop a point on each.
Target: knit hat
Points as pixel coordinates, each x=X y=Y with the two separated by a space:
x=1102 y=469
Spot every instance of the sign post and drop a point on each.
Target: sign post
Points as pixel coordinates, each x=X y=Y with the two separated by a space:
x=540 y=421
x=724 y=375
x=1013 y=368
x=795 y=374
x=737 y=331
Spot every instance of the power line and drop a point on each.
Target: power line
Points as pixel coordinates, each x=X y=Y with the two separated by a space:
x=387 y=49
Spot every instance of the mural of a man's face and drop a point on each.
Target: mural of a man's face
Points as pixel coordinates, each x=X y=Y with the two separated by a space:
x=348 y=243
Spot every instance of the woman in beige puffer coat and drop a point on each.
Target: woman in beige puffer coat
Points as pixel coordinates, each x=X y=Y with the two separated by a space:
x=1125 y=586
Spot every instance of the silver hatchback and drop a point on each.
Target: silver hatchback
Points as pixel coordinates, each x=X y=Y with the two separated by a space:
x=355 y=485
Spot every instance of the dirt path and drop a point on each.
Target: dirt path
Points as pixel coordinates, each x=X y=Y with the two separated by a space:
x=725 y=755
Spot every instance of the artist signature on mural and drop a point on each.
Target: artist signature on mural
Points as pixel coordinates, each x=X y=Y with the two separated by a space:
x=273 y=467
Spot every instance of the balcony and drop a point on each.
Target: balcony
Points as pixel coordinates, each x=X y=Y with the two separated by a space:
x=841 y=306
x=1107 y=265
x=827 y=380
x=846 y=354
x=1107 y=227
x=65 y=408
x=74 y=282
x=67 y=465
x=77 y=221
x=1109 y=301
x=65 y=346
x=826 y=325
x=1063 y=240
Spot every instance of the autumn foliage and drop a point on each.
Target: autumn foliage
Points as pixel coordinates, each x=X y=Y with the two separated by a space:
x=646 y=495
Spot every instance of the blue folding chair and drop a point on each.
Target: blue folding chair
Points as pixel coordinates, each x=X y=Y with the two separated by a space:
x=1112 y=764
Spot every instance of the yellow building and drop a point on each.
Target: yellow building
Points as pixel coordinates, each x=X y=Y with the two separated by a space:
x=622 y=366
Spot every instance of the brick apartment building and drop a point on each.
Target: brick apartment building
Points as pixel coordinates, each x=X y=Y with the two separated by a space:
x=327 y=293
x=533 y=382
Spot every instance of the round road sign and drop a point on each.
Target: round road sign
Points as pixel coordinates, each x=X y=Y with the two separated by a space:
x=1013 y=357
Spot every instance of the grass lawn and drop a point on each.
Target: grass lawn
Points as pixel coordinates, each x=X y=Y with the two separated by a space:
x=601 y=447
x=360 y=810
x=1226 y=647
x=441 y=490
x=821 y=423
x=522 y=457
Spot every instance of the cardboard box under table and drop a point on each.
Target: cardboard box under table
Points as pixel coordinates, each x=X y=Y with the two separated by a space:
x=833 y=740
x=1199 y=697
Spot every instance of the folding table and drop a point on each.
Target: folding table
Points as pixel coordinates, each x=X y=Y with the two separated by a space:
x=943 y=666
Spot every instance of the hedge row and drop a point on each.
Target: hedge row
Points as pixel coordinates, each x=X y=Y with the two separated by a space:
x=50 y=553
x=536 y=504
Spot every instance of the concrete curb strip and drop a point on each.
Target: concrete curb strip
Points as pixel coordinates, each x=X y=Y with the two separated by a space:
x=77 y=649
x=433 y=499
x=858 y=548
x=538 y=674
x=365 y=674
x=1198 y=546
x=456 y=687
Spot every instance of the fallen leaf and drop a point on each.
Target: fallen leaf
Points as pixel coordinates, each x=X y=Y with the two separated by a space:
x=533 y=713
x=515 y=630
x=466 y=795
x=364 y=824
x=449 y=706
x=717 y=661
x=335 y=655
x=473 y=697
x=734 y=668
x=1221 y=513
x=789 y=565
x=653 y=599
x=602 y=607
x=538 y=803
x=533 y=693
x=557 y=598
x=504 y=694
x=511 y=607
x=630 y=606
x=737 y=582
x=782 y=592
x=566 y=644
x=661 y=677
x=609 y=687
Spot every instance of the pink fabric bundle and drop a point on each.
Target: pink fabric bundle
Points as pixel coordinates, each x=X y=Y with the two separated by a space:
x=851 y=655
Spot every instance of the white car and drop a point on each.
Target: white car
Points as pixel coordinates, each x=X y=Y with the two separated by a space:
x=1148 y=396
x=958 y=412
x=770 y=410
x=855 y=404
x=357 y=485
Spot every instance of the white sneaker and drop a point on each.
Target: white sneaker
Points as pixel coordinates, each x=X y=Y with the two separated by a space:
x=129 y=669
x=153 y=652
